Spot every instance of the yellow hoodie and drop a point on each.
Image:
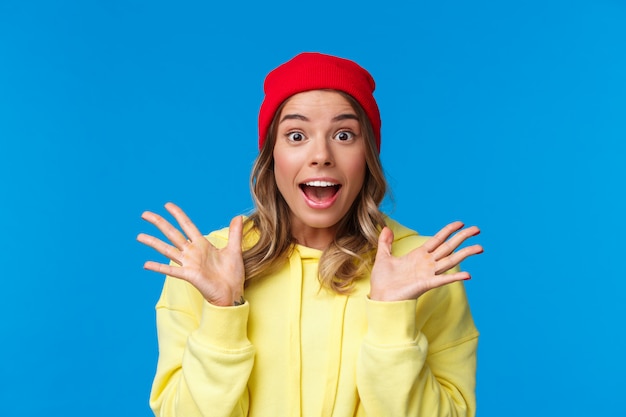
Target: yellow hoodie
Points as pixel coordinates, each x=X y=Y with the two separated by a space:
x=295 y=349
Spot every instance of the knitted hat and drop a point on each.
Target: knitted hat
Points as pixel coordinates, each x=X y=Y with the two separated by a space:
x=314 y=71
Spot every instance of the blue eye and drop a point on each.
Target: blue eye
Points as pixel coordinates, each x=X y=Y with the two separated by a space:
x=295 y=136
x=344 y=136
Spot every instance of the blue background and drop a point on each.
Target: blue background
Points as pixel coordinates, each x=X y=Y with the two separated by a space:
x=508 y=115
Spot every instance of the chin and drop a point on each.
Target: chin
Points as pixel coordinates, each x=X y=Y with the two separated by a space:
x=318 y=223
x=319 y=220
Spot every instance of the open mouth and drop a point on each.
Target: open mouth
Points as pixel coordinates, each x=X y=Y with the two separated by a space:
x=320 y=191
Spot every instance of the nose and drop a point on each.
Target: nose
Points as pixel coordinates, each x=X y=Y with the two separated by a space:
x=321 y=153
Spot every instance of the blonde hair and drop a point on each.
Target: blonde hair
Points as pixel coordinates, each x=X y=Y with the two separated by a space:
x=351 y=253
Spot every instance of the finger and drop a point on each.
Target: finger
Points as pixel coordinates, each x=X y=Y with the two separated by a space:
x=441 y=280
x=172 y=233
x=441 y=236
x=185 y=222
x=450 y=245
x=163 y=248
x=235 y=233
x=385 y=239
x=450 y=278
x=171 y=270
x=456 y=258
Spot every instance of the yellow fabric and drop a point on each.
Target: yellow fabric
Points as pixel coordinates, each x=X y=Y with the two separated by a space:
x=295 y=349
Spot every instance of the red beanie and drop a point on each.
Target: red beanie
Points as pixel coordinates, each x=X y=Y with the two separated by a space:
x=314 y=71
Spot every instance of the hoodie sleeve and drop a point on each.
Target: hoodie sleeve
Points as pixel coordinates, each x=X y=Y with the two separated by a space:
x=205 y=357
x=400 y=373
x=418 y=357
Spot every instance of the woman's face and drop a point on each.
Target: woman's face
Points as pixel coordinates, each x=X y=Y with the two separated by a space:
x=319 y=163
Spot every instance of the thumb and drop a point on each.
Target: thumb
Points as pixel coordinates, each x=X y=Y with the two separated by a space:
x=385 y=239
x=235 y=233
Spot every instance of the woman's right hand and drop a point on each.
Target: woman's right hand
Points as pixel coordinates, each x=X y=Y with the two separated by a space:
x=217 y=273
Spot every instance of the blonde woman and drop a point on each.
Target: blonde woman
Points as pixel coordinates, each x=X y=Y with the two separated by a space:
x=317 y=304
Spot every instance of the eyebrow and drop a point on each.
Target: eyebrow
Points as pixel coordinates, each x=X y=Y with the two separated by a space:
x=345 y=116
x=294 y=117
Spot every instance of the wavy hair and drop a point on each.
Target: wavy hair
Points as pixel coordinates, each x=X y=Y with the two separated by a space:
x=351 y=253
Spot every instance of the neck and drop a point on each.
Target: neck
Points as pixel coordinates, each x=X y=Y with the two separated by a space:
x=316 y=238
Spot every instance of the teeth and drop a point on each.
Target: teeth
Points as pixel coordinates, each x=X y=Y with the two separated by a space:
x=320 y=184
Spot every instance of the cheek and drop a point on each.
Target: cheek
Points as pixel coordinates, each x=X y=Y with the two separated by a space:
x=282 y=171
x=356 y=178
x=357 y=169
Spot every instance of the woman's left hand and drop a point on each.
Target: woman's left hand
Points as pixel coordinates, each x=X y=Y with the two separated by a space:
x=408 y=277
